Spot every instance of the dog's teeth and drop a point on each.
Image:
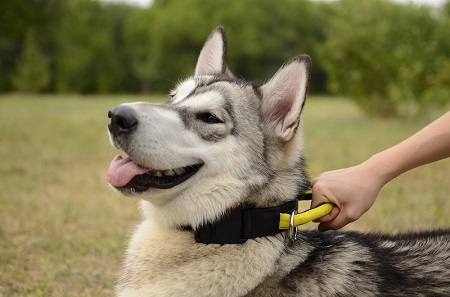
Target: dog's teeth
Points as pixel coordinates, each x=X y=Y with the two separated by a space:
x=169 y=172
x=179 y=171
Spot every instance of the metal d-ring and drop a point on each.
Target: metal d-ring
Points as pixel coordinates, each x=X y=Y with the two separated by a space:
x=292 y=229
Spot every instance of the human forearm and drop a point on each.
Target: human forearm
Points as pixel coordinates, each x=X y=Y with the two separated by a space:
x=353 y=190
x=430 y=144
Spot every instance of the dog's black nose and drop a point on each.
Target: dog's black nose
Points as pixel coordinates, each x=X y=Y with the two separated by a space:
x=123 y=120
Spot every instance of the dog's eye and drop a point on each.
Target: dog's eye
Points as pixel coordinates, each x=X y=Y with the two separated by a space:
x=172 y=94
x=208 y=118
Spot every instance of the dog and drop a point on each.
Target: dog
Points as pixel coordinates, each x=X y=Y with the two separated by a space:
x=212 y=166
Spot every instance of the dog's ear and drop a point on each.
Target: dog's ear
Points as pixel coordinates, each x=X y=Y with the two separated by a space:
x=284 y=96
x=213 y=56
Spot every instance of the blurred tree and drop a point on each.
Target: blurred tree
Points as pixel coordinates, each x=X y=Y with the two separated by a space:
x=386 y=56
x=446 y=8
x=17 y=18
x=33 y=73
x=138 y=30
x=383 y=54
x=12 y=30
x=91 y=54
x=165 y=39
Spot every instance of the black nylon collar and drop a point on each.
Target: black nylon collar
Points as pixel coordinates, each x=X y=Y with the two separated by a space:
x=240 y=224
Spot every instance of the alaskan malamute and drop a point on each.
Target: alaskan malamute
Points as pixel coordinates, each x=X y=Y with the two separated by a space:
x=214 y=167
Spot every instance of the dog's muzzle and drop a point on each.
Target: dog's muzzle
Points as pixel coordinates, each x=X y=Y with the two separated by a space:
x=123 y=120
x=132 y=177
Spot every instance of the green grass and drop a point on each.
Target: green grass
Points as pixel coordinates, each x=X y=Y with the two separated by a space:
x=63 y=230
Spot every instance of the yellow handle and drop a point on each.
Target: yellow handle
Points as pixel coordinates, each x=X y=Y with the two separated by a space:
x=306 y=216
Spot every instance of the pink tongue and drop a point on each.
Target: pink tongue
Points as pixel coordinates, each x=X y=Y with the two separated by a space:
x=121 y=171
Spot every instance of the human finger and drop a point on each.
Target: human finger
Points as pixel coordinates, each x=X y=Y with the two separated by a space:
x=334 y=224
x=328 y=217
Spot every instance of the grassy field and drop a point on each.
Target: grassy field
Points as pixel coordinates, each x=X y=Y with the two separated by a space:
x=63 y=230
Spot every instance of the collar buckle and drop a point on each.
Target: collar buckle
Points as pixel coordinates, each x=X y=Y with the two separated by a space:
x=292 y=234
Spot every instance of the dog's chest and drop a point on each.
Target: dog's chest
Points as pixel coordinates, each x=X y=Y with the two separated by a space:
x=171 y=263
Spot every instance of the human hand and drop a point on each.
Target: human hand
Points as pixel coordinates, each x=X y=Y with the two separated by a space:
x=352 y=191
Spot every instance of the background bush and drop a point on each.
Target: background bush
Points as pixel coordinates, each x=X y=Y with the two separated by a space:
x=390 y=58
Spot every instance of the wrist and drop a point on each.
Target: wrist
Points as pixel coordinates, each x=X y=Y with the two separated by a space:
x=381 y=169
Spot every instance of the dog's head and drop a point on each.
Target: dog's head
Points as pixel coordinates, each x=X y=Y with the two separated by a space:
x=217 y=142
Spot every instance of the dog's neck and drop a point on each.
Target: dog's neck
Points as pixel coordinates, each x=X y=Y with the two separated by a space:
x=241 y=223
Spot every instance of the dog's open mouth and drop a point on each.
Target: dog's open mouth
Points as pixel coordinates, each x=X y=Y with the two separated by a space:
x=128 y=175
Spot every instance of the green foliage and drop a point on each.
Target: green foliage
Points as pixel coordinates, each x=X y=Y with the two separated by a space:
x=165 y=39
x=91 y=51
x=33 y=73
x=446 y=8
x=17 y=18
x=388 y=57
